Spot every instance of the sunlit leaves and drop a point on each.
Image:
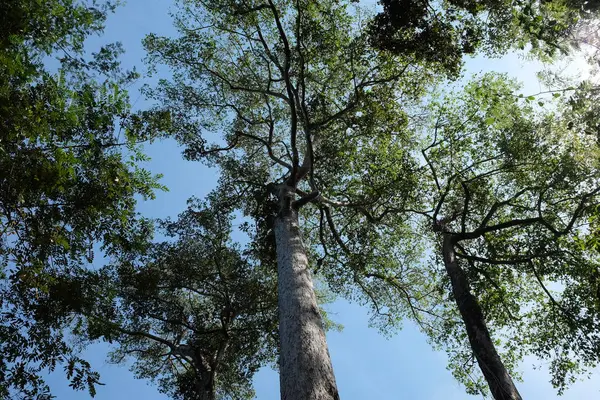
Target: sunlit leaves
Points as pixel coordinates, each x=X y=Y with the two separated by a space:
x=517 y=186
x=441 y=33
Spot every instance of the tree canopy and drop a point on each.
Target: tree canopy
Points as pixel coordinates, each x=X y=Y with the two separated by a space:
x=195 y=312
x=473 y=213
x=243 y=72
x=272 y=86
x=516 y=189
x=443 y=32
x=68 y=175
x=517 y=205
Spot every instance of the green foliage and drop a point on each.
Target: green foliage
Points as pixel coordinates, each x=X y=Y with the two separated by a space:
x=310 y=104
x=68 y=180
x=442 y=32
x=518 y=188
x=34 y=28
x=517 y=185
x=195 y=312
x=291 y=94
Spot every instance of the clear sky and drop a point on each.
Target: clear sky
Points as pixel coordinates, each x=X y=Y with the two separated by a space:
x=367 y=365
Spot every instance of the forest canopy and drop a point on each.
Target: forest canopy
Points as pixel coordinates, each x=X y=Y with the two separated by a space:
x=354 y=163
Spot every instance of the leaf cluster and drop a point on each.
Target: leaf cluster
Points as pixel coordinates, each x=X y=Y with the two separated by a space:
x=69 y=154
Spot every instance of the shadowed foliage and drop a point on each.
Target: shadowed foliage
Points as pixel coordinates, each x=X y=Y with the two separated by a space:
x=68 y=176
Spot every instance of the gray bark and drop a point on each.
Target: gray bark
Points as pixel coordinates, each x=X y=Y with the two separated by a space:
x=495 y=373
x=305 y=370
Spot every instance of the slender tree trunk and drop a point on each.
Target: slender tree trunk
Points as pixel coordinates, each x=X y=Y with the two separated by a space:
x=305 y=370
x=495 y=373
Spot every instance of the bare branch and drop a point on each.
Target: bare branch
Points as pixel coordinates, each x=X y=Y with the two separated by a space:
x=414 y=309
x=305 y=200
x=269 y=148
x=505 y=225
x=234 y=86
x=290 y=94
x=424 y=152
x=150 y=336
x=499 y=204
x=465 y=211
x=220 y=149
x=322 y=238
x=511 y=261
x=552 y=299
x=334 y=231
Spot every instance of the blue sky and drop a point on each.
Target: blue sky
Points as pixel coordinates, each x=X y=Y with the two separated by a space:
x=367 y=365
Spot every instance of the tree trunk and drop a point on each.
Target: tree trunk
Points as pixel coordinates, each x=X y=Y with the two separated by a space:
x=495 y=373
x=305 y=370
x=207 y=391
x=204 y=387
x=205 y=371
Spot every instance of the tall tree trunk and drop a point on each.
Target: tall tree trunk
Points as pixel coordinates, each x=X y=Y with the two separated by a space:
x=207 y=391
x=204 y=387
x=205 y=380
x=495 y=373
x=305 y=370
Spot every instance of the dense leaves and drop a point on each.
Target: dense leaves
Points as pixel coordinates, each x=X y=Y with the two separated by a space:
x=443 y=32
x=68 y=177
x=516 y=187
x=195 y=312
x=310 y=95
x=269 y=93
x=304 y=105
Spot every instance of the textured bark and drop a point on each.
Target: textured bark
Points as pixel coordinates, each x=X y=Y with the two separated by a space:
x=305 y=366
x=495 y=373
x=205 y=383
x=205 y=373
x=206 y=389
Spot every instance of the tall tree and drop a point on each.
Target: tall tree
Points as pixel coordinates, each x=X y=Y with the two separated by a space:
x=195 y=312
x=68 y=178
x=512 y=191
x=278 y=84
x=490 y=158
x=303 y=112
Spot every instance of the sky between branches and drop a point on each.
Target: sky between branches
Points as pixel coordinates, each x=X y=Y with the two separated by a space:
x=367 y=365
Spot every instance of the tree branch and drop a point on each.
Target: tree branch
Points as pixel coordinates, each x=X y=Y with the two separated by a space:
x=334 y=231
x=269 y=148
x=242 y=12
x=290 y=95
x=556 y=303
x=147 y=335
x=305 y=199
